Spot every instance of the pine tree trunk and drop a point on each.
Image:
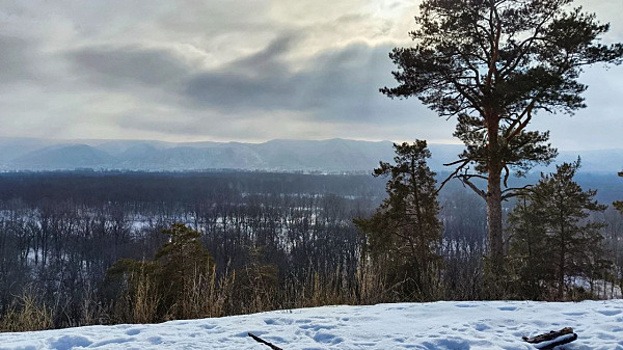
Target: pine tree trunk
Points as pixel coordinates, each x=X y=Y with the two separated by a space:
x=494 y=196
x=494 y=221
x=561 y=273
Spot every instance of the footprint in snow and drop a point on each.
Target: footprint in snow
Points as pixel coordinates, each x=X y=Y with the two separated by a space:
x=465 y=305
x=481 y=327
x=133 y=331
x=68 y=342
x=316 y=327
x=155 y=340
x=447 y=344
x=574 y=313
x=278 y=321
x=609 y=312
x=327 y=338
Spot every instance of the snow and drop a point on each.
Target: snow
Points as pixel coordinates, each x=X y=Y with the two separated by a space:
x=425 y=326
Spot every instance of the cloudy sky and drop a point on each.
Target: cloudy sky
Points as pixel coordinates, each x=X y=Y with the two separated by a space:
x=244 y=70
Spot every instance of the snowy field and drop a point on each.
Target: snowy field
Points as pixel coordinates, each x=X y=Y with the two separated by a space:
x=440 y=325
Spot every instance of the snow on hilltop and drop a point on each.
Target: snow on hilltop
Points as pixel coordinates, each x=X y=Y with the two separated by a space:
x=427 y=326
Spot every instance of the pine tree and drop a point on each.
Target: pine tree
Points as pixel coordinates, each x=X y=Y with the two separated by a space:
x=182 y=262
x=495 y=65
x=554 y=233
x=405 y=233
x=530 y=260
x=168 y=286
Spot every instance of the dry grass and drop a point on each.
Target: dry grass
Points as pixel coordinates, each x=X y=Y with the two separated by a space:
x=146 y=300
x=249 y=290
x=26 y=314
x=205 y=296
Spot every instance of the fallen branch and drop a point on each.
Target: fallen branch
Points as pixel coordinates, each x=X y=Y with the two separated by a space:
x=262 y=341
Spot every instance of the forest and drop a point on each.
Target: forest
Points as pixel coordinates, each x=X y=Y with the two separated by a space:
x=89 y=247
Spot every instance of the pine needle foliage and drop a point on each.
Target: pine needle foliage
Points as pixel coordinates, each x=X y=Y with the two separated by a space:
x=404 y=234
x=554 y=239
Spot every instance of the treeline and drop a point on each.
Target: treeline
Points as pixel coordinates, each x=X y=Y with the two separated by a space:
x=61 y=232
x=96 y=248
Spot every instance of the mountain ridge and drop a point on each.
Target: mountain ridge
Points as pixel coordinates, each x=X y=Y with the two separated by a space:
x=329 y=155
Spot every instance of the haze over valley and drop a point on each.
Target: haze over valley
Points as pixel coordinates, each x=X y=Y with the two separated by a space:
x=331 y=155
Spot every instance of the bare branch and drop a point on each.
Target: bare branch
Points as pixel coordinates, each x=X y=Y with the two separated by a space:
x=465 y=161
x=465 y=179
x=454 y=173
x=515 y=191
x=262 y=341
x=507 y=173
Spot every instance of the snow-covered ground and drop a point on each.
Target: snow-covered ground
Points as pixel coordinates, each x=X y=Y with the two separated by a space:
x=430 y=326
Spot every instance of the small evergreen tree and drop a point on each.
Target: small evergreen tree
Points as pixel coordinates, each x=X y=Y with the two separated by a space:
x=553 y=236
x=405 y=233
x=530 y=261
x=168 y=286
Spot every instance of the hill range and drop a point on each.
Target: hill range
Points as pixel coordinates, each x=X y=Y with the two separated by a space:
x=333 y=155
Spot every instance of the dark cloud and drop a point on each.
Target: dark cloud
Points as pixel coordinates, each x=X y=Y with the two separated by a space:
x=17 y=60
x=338 y=84
x=108 y=65
x=268 y=60
x=335 y=85
x=343 y=84
x=228 y=90
x=262 y=80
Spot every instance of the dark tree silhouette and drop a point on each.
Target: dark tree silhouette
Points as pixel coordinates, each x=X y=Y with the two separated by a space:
x=405 y=233
x=495 y=65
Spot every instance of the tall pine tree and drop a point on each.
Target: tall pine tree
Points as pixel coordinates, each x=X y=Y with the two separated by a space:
x=496 y=65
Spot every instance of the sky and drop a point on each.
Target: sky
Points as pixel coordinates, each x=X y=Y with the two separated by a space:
x=240 y=70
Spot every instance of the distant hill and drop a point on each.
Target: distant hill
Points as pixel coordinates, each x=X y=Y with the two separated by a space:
x=63 y=157
x=334 y=155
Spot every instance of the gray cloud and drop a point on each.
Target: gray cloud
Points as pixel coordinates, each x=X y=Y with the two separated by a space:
x=16 y=59
x=337 y=84
x=262 y=80
x=108 y=65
